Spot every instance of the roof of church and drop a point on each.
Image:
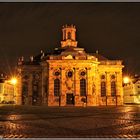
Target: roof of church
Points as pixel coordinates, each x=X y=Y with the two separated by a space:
x=68 y=47
x=73 y=51
x=58 y=51
x=99 y=56
x=64 y=52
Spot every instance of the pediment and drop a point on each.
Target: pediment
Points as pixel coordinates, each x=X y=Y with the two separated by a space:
x=68 y=57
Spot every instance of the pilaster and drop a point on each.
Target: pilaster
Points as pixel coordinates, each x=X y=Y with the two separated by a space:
x=30 y=93
x=119 y=89
x=63 y=94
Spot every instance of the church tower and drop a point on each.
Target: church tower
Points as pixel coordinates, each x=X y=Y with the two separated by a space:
x=69 y=36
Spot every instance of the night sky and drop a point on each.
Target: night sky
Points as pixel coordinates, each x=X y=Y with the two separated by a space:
x=111 y=28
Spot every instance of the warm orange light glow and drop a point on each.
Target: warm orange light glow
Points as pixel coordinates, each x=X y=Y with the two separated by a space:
x=14 y=81
x=126 y=80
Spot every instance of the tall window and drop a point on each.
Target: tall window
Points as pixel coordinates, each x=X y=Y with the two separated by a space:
x=113 y=88
x=56 y=87
x=83 y=87
x=24 y=88
x=24 y=92
x=35 y=88
x=103 y=88
x=103 y=85
x=69 y=35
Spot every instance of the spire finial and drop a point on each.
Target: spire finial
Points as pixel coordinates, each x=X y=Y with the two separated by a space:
x=41 y=51
x=97 y=52
x=31 y=58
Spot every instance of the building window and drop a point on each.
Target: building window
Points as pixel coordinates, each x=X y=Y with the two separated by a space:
x=103 y=88
x=57 y=73
x=83 y=73
x=112 y=77
x=102 y=77
x=56 y=87
x=24 y=89
x=24 y=92
x=69 y=35
x=113 y=88
x=83 y=87
x=35 y=90
x=70 y=74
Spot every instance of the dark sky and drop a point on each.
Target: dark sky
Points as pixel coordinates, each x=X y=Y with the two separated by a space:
x=111 y=28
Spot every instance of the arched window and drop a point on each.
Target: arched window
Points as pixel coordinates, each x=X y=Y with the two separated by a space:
x=56 y=87
x=35 y=89
x=83 y=87
x=24 y=92
x=112 y=77
x=69 y=35
x=103 y=77
x=103 y=85
x=113 y=88
x=103 y=88
x=25 y=89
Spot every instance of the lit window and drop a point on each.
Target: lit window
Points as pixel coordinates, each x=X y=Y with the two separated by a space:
x=103 y=88
x=83 y=87
x=113 y=88
x=56 y=87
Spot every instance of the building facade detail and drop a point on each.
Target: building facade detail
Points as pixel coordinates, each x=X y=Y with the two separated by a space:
x=70 y=76
x=132 y=90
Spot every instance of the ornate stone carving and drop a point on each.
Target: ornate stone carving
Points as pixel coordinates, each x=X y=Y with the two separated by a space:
x=69 y=84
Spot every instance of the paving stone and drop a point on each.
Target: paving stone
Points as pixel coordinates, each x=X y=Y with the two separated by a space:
x=92 y=122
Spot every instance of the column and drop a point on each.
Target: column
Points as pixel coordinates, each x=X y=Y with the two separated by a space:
x=44 y=85
x=30 y=86
x=50 y=88
x=98 y=88
x=63 y=91
x=108 y=89
x=119 y=88
x=19 y=91
x=90 y=99
x=77 y=87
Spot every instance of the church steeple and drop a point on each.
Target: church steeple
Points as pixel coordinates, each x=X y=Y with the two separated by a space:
x=69 y=36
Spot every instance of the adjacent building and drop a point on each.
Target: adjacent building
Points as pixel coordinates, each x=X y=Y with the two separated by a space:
x=70 y=76
x=7 y=90
x=132 y=91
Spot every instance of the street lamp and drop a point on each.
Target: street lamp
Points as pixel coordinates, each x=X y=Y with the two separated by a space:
x=13 y=81
x=126 y=80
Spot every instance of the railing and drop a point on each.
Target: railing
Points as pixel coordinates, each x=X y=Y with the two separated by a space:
x=111 y=62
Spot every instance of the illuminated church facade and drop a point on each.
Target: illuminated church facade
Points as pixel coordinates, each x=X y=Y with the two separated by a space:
x=70 y=76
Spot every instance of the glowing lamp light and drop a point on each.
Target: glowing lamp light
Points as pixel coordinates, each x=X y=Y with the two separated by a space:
x=126 y=80
x=14 y=81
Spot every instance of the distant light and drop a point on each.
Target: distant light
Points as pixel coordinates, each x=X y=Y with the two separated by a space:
x=126 y=80
x=14 y=81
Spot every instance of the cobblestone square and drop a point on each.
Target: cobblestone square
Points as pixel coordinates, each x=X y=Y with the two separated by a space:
x=70 y=122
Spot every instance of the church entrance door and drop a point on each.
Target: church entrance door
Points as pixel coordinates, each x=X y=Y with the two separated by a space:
x=69 y=99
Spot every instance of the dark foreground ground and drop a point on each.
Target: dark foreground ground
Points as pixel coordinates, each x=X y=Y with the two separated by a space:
x=90 y=122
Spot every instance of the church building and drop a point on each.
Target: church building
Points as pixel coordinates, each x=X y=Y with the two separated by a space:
x=70 y=77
